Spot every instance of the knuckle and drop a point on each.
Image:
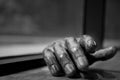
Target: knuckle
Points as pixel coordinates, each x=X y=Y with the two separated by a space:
x=71 y=43
x=87 y=42
x=64 y=59
x=58 y=49
x=82 y=63
x=61 y=54
x=62 y=44
x=48 y=57
x=78 y=52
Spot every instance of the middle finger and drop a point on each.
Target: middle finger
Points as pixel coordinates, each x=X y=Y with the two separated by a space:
x=77 y=53
x=64 y=58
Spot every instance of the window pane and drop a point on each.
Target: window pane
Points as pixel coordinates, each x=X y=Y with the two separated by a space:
x=41 y=17
x=112 y=26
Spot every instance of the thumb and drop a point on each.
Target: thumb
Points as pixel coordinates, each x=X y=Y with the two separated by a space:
x=105 y=54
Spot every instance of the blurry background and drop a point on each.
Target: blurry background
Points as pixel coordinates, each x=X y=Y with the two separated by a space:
x=41 y=17
x=37 y=21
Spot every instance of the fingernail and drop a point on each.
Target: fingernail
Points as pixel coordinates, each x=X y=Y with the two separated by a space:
x=69 y=69
x=54 y=69
x=82 y=63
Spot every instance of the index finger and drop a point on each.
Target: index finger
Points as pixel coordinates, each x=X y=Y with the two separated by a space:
x=87 y=42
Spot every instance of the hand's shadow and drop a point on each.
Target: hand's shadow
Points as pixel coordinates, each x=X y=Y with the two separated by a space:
x=99 y=74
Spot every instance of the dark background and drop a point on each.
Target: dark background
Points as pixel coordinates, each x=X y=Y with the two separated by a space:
x=41 y=17
x=52 y=17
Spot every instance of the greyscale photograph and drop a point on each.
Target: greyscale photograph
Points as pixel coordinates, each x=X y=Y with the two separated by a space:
x=59 y=39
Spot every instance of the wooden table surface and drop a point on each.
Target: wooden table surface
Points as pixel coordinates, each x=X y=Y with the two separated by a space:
x=107 y=70
x=22 y=48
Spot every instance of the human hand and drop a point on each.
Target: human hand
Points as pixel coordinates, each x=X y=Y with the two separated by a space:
x=71 y=55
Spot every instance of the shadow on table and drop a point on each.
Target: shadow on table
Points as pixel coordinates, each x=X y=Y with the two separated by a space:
x=99 y=74
x=12 y=68
x=91 y=74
